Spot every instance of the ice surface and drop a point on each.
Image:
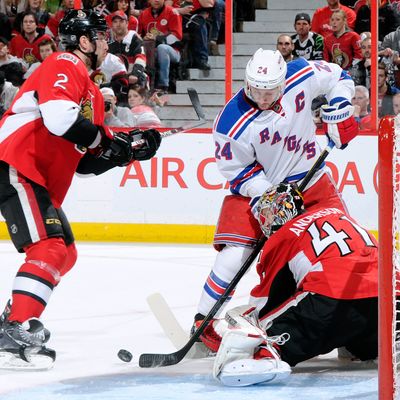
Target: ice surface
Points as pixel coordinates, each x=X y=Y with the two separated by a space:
x=100 y=307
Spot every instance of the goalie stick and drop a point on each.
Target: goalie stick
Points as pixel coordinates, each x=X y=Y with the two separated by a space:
x=194 y=99
x=150 y=360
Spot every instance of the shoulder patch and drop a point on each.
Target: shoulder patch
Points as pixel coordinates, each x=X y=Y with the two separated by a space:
x=68 y=57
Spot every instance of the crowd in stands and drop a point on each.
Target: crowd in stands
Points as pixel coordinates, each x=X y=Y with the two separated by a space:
x=150 y=43
x=153 y=42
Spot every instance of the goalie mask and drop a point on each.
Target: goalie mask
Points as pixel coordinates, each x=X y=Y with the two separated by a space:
x=278 y=205
x=77 y=23
x=266 y=70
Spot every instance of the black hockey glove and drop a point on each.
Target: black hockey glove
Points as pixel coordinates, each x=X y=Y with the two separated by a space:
x=152 y=142
x=117 y=150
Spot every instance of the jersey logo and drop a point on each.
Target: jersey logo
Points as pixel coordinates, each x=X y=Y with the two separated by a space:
x=68 y=57
x=28 y=56
x=87 y=110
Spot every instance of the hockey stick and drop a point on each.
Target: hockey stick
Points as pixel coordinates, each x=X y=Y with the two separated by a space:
x=194 y=99
x=172 y=328
x=149 y=360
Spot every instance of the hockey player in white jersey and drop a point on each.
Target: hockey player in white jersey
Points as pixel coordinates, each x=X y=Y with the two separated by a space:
x=266 y=135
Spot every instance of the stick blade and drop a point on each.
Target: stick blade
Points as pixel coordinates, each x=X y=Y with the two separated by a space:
x=150 y=360
x=194 y=98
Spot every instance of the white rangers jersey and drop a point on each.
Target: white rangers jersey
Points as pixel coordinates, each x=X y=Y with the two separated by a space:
x=256 y=149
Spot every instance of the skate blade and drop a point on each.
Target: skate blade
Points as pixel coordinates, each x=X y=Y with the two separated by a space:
x=37 y=362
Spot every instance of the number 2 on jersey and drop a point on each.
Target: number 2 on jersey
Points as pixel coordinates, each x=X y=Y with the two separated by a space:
x=63 y=79
x=225 y=152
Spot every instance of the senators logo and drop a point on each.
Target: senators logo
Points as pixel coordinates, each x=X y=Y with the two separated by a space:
x=28 y=56
x=87 y=110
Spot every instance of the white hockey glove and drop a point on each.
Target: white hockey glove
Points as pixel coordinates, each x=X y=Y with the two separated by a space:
x=339 y=124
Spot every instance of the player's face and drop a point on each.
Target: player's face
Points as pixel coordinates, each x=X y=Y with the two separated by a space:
x=265 y=98
x=134 y=98
x=101 y=47
x=302 y=27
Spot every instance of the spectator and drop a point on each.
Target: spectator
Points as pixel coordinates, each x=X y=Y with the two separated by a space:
x=307 y=44
x=7 y=93
x=46 y=48
x=59 y=15
x=285 y=46
x=42 y=15
x=12 y=7
x=396 y=104
x=5 y=26
x=361 y=70
x=321 y=18
x=161 y=28
x=385 y=92
x=115 y=115
x=144 y=114
x=25 y=45
x=128 y=45
x=125 y=7
x=388 y=19
x=196 y=26
x=216 y=21
x=243 y=10
x=342 y=46
x=360 y=102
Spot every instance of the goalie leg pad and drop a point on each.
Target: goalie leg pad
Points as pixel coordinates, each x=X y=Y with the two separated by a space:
x=248 y=372
x=235 y=366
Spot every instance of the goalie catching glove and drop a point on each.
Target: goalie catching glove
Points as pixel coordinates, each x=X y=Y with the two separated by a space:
x=339 y=124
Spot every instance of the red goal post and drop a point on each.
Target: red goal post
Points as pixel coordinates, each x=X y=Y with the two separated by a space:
x=389 y=257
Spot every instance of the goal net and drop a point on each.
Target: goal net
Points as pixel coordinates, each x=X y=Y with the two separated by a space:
x=389 y=258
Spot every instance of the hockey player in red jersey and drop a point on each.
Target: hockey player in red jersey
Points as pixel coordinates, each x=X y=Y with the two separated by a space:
x=318 y=291
x=53 y=129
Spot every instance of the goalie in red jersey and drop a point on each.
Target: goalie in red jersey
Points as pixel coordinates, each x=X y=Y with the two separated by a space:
x=53 y=129
x=318 y=291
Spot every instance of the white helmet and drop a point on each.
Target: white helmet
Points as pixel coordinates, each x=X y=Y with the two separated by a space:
x=266 y=70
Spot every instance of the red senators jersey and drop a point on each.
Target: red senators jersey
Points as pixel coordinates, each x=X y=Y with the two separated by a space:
x=168 y=21
x=326 y=252
x=342 y=50
x=29 y=52
x=46 y=106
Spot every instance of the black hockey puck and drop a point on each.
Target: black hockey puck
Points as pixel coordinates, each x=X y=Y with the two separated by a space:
x=125 y=355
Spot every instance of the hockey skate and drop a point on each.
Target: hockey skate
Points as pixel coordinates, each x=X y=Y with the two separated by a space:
x=22 y=346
